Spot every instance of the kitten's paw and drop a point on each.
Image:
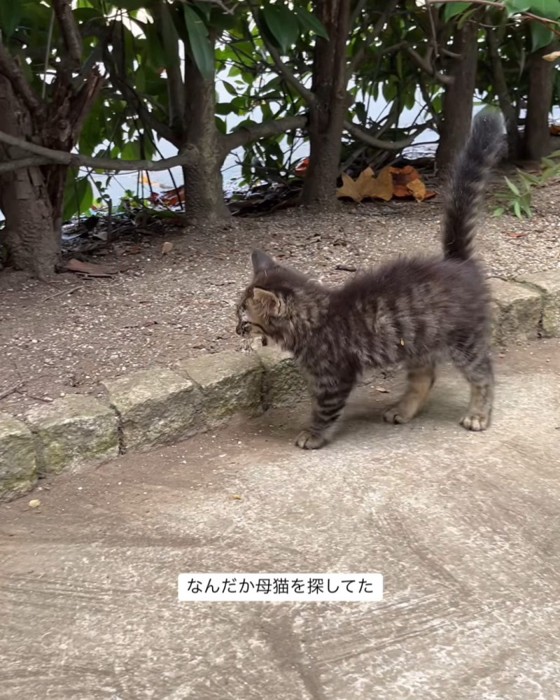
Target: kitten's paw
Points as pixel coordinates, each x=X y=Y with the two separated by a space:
x=394 y=415
x=475 y=422
x=308 y=441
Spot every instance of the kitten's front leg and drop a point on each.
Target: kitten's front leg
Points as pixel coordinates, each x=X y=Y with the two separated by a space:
x=328 y=402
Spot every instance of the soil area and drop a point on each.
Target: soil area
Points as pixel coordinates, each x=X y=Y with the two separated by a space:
x=65 y=336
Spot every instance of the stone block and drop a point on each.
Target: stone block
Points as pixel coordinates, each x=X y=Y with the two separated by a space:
x=18 y=465
x=548 y=283
x=155 y=407
x=73 y=431
x=283 y=383
x=229 y=382
x=517 y=311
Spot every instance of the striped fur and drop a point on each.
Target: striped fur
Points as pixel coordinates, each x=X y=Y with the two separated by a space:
x=413 y=312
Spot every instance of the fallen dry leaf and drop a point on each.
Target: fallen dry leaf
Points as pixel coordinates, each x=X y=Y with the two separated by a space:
x=381 y=187
x=382 y=390
x=512 y=234
x=167 y=247
x=551 y=57
x=34 y=503
x=418 y=189
x=89 y=269
x=391 y=182
x=555 y=130
x=349 y=189
x=367 y=186
x=408 y=183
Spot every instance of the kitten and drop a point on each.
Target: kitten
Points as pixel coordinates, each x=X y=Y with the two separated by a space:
x=414 y=312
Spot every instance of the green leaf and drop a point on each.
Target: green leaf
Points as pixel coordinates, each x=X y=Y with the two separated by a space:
x=540 y=36
x=78 y=195
x=453 y=9
x=513 y=187
x=10 y=17
x=515 y=6
x=230 y=88
x=201 y=47
x=498 y=211
x=546 y=8
x=131 y=151
x=517 y=209
x=309 y=22
x=282 y=24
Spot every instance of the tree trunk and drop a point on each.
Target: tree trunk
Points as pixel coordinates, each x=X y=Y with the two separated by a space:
x=204 y=194
x=329 y=107
x=32 y=199
x=458 y=97
x=31 y=238
x=536 y=139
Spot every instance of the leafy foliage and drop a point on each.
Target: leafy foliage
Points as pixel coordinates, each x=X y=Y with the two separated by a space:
x=517 y=198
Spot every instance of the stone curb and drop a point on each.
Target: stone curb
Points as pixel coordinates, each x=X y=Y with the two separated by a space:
x=162 y=406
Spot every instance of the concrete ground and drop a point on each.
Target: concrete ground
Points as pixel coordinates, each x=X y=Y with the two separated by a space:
x=464 y=527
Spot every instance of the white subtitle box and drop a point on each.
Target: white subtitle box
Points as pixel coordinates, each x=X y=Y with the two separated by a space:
x=280 y=588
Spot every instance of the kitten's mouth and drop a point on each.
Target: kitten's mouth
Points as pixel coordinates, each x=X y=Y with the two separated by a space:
x=245 y=329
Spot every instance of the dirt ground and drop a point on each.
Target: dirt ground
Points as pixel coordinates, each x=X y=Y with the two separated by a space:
x=65 y=336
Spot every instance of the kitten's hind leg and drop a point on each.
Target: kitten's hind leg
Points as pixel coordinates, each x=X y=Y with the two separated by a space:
x=328 y=402
x=420 y=381
x=478 y=371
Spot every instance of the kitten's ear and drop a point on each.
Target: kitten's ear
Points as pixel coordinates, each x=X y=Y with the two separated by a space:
x=271 y=304
x=261 y=261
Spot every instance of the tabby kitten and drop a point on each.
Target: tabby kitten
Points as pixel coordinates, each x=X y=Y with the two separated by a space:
x=414 y=312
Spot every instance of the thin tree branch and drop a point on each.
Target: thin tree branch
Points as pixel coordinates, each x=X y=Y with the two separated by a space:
x=356 y=12
x=281 y=67
x=69 y=30
x=12 y=71
x=362 y=135
x=425 y=64
x=9 y=166
x=245 y=135
x=57 y=157
x=131 y=97
x=175 y=86
x=47 y=54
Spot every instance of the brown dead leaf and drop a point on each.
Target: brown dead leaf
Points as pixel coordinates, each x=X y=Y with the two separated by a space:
x=89 y=269
x=391 y=182
x=513 y=234
x=367 y=186
x=408 y=183
x=167 y=247
x=382 y=390
x=419 y=191
x=381 y=187
x=555 y=130
x=349 y=189
x=551 y=57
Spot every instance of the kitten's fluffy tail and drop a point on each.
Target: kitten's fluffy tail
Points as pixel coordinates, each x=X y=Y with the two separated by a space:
x=485 y=145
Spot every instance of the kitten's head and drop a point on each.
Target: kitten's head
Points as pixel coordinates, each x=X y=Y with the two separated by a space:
x=274 y=300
